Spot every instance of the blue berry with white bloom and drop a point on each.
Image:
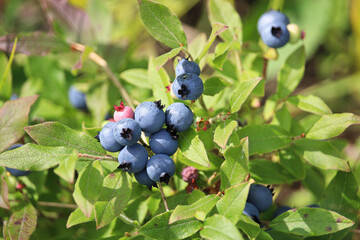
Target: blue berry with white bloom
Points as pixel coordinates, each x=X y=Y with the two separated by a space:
x=127 y=131
x=179 y=117
x=150 y=116
x=133 y=159
x=160 y=168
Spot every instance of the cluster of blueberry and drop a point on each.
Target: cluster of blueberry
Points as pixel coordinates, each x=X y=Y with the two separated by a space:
x=276 y=30
x=123 y=135
x=187 y=85
x=259 y=200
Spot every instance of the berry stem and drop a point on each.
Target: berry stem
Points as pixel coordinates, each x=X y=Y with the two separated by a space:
x=102 y=63
x=276 y=4
x=202 y=103
x=265 y=68
x=188 y=53
x=105 y=158
x=163 y=196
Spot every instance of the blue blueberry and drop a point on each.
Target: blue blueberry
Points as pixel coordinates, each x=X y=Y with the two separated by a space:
x=188 y=86
x=163 y=142
x=143 y=178
x=160 y=168
x=270 y=17
x=133 y=158
x=127 y=132
x=260 y=197
x=77 y=98
x=275 y=35
x=107 y=139
x=13 y=171
x=179 y=117
x=252 y=212
x=186 y=66
x=150 y=116
x=280 y=210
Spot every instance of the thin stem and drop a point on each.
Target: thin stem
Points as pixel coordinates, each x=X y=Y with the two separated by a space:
x=265 y=68
x=105 y=158
x=57 y=205
x=102 y=63
x=188 y=53
x=202 y=103
x=163 y=196
x=129 y=221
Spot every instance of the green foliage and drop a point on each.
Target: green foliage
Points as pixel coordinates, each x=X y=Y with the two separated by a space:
x=295 y=132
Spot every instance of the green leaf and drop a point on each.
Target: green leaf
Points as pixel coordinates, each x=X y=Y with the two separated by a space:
x=193 y=148
x=219 y=227
x=13 y=118
x=161 y=60
x=197 y=44
x=242 y=92
x=34 y=157
x=221 y=52
x=321 y=154
x=115 y=193
x=265 y=138
x=97 y=100
x=310 y=222
x=282 y=118
x=235 y=167
x=283 y=236
x=55 y=134
x=214 y=85
x=162 y=23
x=223 y=132
x=159 y=228
x=88 y=187
x=269 y=108
x=330 y=126
x=137 y=77
x=224 y=12
x=204 y=205
x=267 y=172
x=232 y=204
x=310 y=103
x=159 y=81
x=22 y=223
x=6 y=79
x=291 y=73
x=314 y=181
x=195 y=195
x=249 y=226
x=78 y=217
x=292 y=163
x=66 y=168
x=4 y=194
x=217 y=28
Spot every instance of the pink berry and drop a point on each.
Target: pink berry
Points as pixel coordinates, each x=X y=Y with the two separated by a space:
x=122 y=111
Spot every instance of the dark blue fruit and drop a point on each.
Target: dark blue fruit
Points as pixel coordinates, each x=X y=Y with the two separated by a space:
x=313 y=205
x=260 y=197
x=186 y=66
x=107 y=139
x=270 y=17
x=127 y=132
x=188 y=86
x=150 y=116
x=275 y=35
x=13 y=171
x=143 y=178
x=77 y=98
x=252 y=212
x=178 y=117
x=160 y=168
x=281 y=210
x=133 y=158
x=163 y=142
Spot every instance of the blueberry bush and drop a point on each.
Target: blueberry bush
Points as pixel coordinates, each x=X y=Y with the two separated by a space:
x=179 y=119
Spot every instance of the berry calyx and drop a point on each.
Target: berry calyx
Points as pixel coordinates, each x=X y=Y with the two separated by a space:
x=120 y=108
x=126 y=133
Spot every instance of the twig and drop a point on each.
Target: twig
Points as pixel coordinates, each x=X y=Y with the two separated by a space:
x=188 y=53
x=202 y=103
x=105 y=158
x=56 y=204
x=102 y=63
x=265 y=68
x=163 y=196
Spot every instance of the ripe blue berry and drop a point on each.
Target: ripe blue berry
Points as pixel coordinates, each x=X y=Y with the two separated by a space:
x=252 y=212
x=143 y=178
x=163 y=142
x=107 y=139
x=269 y=18
x=280 y=210
x=77 y=98
x=179 y=117
x=160 y=168
x=13 y=171
x=260 y=197
x=188 y=86
x=275 y=35
x=127 y=131
x=186 y=66
x=133 y=158
x=150 y=116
